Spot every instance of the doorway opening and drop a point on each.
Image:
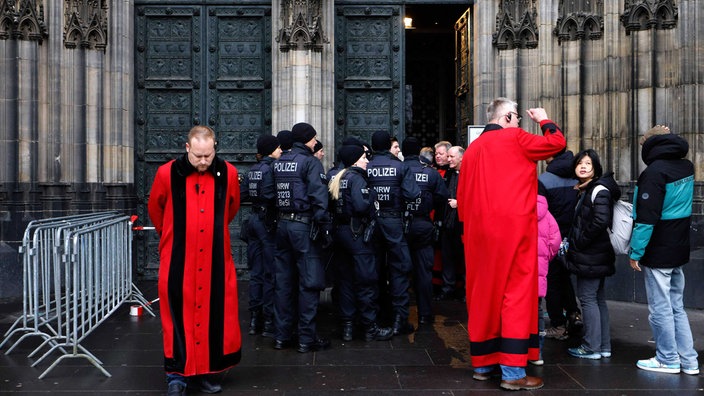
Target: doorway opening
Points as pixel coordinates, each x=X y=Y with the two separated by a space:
x=430 y=73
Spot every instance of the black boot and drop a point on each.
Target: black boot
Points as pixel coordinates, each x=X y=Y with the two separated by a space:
x=255 y=322
x=574 y=324
x=376 y=333
x=268 y=330
x=401 y=326
x=347 y=330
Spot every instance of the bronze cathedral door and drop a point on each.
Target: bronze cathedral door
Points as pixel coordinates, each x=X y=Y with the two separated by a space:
x=199 y=64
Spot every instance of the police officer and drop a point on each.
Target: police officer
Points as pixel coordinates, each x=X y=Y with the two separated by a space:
x=258 y=188
x=318 y=151
x=329 y=256
x=394 y=185
x=419 y=226
x=348 y=141
x=302 y=201
x=285 y=140
x=357 y=280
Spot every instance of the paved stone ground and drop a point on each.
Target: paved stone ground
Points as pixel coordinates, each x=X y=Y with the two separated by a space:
x=432 y=361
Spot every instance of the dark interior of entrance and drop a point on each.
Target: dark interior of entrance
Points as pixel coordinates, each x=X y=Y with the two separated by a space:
x=430 y=73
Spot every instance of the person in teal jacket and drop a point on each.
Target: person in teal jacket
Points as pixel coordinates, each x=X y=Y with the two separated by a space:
x=662 y=209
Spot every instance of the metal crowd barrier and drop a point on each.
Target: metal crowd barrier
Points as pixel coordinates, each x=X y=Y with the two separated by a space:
x=77 y=270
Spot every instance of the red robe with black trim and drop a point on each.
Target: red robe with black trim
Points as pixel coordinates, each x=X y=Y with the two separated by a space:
x=191 y=212
x=497 y=200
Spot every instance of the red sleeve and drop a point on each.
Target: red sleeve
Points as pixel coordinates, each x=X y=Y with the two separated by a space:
x=158 y=197
x=234 y=192
x=542 y=147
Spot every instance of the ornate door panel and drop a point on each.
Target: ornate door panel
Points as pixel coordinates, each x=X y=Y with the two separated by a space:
x=368 y=71
x=239 y=79
x=463 y=76
x=198 y=65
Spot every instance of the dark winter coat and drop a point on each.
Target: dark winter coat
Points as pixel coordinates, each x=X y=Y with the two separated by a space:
x=556 y=184
x=590 y=252
x=663 y=204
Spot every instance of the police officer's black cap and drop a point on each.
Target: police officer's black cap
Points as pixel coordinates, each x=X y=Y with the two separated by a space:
x=410 y=146
x=266 y=144
x=318 y=146
x=303 y=132
x=285 y=139
x=349 y=154
x=381 y=140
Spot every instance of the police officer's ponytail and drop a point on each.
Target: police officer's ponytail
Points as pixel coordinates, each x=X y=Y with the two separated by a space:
x=334 y=185
x=348 y=155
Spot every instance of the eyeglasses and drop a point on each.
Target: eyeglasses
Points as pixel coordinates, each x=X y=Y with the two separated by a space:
x=509 y=116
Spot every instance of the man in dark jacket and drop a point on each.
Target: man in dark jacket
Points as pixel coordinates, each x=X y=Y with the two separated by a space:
x=395 y=185
x=451 y=246
x=662 y=209
x=258 y=187
x=419 y=228
x=299 y=275
x=557 y=186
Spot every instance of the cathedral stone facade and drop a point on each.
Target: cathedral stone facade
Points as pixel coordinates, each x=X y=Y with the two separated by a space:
x=97 y=94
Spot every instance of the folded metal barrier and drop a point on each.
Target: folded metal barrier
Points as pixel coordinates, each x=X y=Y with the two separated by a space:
x=77 y=271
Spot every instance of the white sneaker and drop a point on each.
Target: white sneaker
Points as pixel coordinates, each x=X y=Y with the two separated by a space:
x=653 y=364
x=691 y=370
x=605 y=354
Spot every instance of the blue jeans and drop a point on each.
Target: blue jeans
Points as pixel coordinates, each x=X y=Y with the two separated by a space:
x=668 y=320
x=508 y=373
x=176 y=378
x=595 y=314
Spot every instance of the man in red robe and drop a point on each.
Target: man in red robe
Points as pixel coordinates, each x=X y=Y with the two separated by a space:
x=497 y=200
x=192 y=201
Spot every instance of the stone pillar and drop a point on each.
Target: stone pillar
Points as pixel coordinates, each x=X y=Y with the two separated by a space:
x=118 y=120
x=27 y=77
x=302 y=67
x=614 y=74
x=548 y=63
x=484 y=61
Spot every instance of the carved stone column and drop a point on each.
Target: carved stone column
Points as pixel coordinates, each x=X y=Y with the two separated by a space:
x=65 y=111
x=303 y=65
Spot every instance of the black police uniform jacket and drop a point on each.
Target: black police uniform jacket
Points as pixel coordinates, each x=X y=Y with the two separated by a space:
x=392 y=180
x=433 y=191
x=356 y=198
x=298 y=176
x=258 y=184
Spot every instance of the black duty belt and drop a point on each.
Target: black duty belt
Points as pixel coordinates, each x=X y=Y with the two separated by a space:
x=258 y=209
x=292 y=216
x=389 y=213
